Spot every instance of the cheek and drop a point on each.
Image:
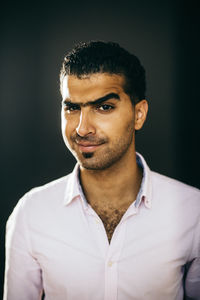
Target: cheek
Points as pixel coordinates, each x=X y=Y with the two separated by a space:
x=116 y=125
x=68 y=125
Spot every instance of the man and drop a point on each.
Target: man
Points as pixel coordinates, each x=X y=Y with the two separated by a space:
x=112 y=229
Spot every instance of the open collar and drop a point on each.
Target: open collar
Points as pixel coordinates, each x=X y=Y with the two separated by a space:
x=73 y=188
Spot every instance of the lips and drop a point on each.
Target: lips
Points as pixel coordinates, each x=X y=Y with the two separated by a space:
x=87 y=147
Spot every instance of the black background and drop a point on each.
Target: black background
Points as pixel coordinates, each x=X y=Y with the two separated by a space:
x=34 y=39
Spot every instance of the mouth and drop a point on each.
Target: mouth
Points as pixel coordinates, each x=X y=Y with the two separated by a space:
x=88 y=147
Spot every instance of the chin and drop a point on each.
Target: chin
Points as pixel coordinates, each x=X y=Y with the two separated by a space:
x=102 y=161
x=91 y=164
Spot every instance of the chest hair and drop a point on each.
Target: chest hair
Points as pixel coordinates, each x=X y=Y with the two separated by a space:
x=110 y=219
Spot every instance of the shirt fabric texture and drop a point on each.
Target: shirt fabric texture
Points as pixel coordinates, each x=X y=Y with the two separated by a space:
x=55 y=241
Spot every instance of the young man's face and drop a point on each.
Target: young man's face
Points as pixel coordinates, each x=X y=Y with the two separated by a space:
x=98 y=120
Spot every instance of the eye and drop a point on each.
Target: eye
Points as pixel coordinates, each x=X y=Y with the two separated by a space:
x=105 y=107
x=70 y=107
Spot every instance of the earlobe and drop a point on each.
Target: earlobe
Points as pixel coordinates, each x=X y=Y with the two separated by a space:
x=141 y=109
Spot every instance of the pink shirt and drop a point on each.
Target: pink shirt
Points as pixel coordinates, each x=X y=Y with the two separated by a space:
x=55 y=241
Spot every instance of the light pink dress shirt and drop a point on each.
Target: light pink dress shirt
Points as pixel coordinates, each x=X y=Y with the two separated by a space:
x=55 y=241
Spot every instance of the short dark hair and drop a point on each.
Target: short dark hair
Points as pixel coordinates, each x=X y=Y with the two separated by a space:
x=92 y=57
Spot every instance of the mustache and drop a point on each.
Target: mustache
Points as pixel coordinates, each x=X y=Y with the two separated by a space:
x=91 y=139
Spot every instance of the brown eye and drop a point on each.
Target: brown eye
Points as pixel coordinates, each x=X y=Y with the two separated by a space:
x=105 y=107
x=69 y=107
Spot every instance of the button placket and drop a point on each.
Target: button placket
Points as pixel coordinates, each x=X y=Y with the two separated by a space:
x=111 y=263
x=98 y=232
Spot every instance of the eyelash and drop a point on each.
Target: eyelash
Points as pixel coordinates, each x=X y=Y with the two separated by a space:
x=108 y=106
x=73 y=107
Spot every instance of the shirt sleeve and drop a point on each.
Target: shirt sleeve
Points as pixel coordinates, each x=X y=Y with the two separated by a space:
x=192 y=278
x=23 y=280
x=192 y=281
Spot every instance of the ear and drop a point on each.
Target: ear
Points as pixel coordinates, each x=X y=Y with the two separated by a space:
x=141 y=109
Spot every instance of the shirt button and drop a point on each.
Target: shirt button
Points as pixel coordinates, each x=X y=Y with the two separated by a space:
x=110 y=263
x=97 y=221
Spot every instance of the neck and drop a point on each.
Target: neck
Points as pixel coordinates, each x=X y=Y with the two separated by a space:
x=117 y=185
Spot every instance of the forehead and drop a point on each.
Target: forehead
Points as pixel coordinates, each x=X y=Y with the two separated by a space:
x=91 y=87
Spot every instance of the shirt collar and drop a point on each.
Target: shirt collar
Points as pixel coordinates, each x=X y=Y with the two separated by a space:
x=73 y=188
x=146 y=186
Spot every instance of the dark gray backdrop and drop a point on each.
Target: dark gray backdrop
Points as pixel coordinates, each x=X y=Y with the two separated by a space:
x=34 y=40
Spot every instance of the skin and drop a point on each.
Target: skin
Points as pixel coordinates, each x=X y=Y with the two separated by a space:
x=102 y=138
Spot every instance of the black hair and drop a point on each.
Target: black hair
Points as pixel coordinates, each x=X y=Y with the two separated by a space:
x=92 y=57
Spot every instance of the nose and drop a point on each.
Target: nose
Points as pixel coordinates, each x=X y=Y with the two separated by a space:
x=85 y=126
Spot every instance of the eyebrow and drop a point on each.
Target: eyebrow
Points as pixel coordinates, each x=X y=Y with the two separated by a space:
x=94 y=102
